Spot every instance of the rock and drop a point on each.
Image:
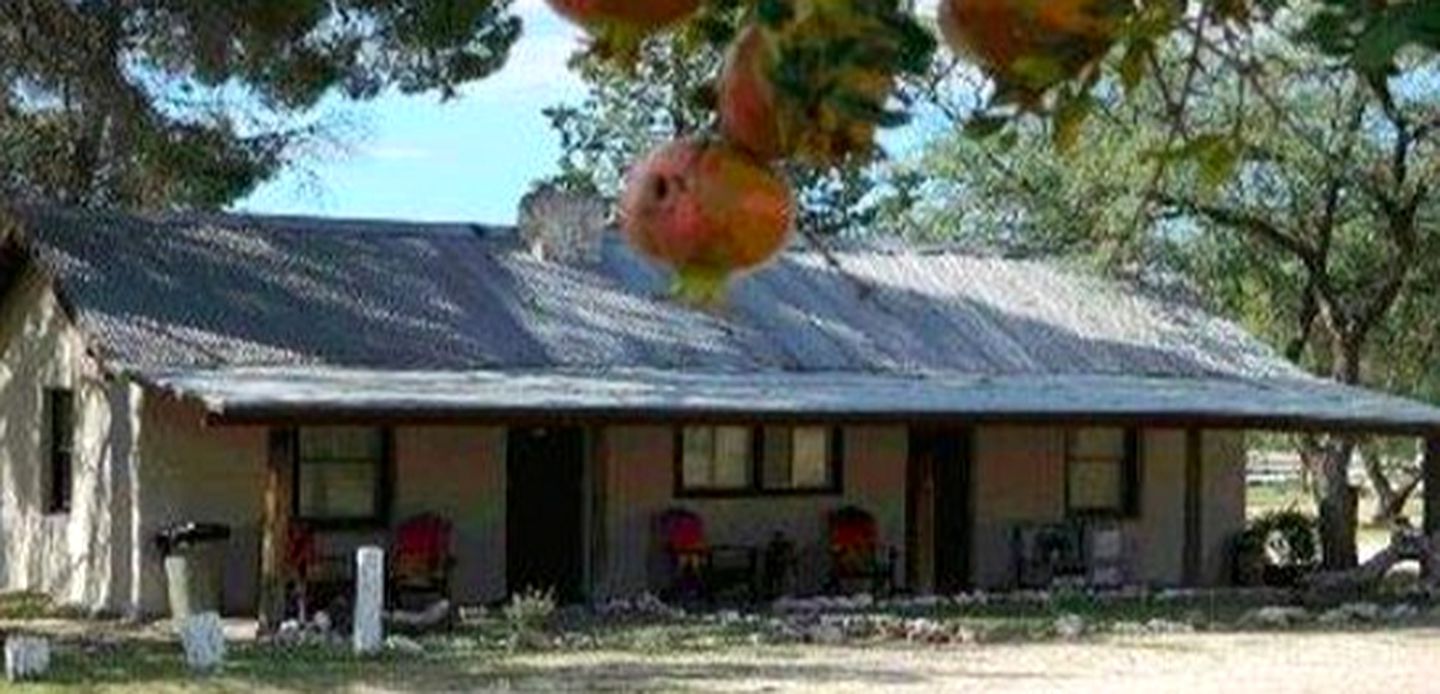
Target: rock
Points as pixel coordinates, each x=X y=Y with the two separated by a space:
x=26 y=658
x=1165 y=626
x=728 y=618
x=1352 y=612
x=926 y=602
x=403 y=645
x=925 y=631
x=1070 y=626
x=322 y=622
x=826 y=634
x=203 y=638
x=369 y=632
x=1403 y=612
x=863 y=601
x=1275 y=616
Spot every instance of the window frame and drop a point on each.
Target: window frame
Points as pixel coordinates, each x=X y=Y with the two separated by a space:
x=384 y=487
x=59 y=482
x=1130 y=478
x=756 y=487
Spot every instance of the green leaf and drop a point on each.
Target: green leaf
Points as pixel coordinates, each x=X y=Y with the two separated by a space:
x=1132 y=65
x=1070 y=116
x=982 y=126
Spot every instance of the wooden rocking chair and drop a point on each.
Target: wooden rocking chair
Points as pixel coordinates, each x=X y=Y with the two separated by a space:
x=421 y=564
x=856 y=554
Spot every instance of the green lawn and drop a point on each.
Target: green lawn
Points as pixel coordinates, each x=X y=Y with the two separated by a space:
x=484 y=653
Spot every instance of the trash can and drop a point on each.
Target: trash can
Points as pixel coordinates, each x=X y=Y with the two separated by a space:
x=194 y=555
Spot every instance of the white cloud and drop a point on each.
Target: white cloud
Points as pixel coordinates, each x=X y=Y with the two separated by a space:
x=537 y=62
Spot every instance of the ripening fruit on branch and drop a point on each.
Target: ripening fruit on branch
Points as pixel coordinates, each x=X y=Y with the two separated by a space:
x=749 y=115
x=1032 y=45
x=618 y=26
x=646 y=15
x=815 y=81
x=708 y=211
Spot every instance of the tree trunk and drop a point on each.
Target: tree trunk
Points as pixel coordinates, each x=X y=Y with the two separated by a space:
x=1338 y=506
x=1390 y=500
x=1338 y=500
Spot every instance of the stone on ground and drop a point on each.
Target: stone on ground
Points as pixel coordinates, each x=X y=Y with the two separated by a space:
x=203 y=638
x=26 y=658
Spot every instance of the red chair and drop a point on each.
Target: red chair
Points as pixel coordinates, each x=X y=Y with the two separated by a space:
x=856 y=554
x=697 y=568
x=421 y=561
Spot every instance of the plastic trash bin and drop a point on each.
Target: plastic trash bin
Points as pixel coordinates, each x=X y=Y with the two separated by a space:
x=194 y=555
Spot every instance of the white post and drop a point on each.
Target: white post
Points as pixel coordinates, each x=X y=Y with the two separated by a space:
x=203 y=638
x=369 y=634
x=26 y=658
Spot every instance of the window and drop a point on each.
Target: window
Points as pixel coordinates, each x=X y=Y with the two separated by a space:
x=341 y=475
x=1102 y=472
x=60 y=430
x=739 y=460
x=717 y=458
x=800 y=459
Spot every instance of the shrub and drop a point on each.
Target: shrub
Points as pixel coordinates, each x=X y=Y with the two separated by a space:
x=528 y=614
x=1276 y=549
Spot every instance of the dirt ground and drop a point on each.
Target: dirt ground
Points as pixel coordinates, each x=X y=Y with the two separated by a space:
x=1388 y=662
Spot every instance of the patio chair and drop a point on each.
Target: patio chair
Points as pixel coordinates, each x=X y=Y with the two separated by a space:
x=698 y=569
x=856 y=553
x=421 y=563
x=1046 y=553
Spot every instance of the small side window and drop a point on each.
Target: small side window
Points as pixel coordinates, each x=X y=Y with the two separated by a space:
x=1102 y=472
x=60 y=444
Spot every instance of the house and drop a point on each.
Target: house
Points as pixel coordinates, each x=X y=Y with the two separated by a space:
x=550 y=401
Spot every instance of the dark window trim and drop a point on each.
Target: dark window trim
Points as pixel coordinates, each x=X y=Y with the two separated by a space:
x=1130 y=480
x=60 y=451
x=757 y=488
x=384 y=489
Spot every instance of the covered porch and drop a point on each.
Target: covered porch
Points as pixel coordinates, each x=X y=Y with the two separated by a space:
x=949 y=467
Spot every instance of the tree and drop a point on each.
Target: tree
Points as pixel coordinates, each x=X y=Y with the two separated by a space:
x=668 y=92
x=170 y=103
x=1299 y=194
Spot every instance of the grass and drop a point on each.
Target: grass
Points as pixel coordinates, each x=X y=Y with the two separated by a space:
x=483 y=654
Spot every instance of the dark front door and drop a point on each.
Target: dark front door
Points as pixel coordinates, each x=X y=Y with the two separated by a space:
x=544 y=502
x=940 y=507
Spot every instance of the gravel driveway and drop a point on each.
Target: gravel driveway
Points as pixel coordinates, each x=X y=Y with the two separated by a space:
x=1385 y=662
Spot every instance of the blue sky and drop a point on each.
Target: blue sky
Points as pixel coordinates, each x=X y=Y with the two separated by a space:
x=469 y=159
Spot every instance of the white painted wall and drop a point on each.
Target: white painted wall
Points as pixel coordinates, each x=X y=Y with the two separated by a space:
x=83 y=558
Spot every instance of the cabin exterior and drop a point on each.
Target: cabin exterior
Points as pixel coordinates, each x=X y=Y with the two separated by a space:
x=346 y=376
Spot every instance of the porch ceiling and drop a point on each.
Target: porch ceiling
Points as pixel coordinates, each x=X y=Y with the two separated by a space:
x=293 y=395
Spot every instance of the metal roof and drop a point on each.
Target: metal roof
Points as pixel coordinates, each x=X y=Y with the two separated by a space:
x=201 y=303
x=259 y=395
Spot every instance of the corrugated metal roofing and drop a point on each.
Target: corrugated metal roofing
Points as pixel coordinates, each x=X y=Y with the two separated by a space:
x=241 y=395
x=206 y=303
x=229 y=291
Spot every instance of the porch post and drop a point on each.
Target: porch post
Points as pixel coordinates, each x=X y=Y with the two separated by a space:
x=1193 y=552
x=275 y=527
x=1430 y=476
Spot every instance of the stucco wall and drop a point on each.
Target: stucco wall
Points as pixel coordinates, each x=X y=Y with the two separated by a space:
x=639 y=474
x=1019 y=477
x=217 y=474
x=193 y=472
x=82 y=558
x=459 y=472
